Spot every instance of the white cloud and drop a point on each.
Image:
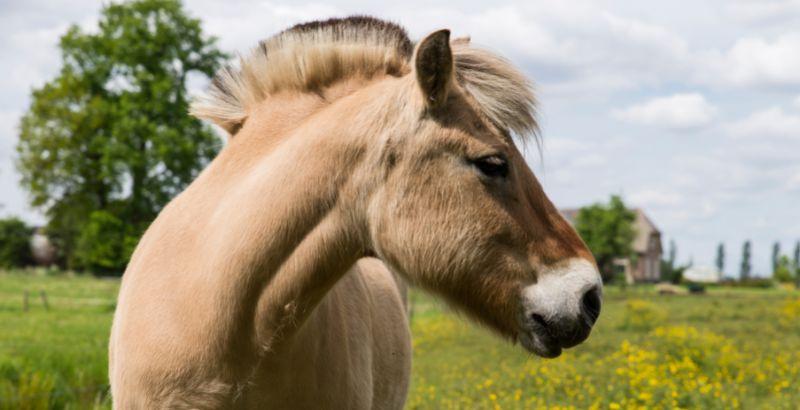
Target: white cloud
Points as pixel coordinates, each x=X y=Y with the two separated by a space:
x=569 y=162
x=755 y=61
x=676 y=112
x=793 y=183
x=763 y=11
x=240 y=25
x=645 y=35
x=578 y=49
x=650 y=197
x=726 y=173
x=772 y=122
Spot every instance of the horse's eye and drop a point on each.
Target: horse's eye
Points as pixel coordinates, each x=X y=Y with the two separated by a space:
x=494 y=166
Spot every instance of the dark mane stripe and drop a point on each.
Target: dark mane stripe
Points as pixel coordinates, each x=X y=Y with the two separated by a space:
x=360 y=23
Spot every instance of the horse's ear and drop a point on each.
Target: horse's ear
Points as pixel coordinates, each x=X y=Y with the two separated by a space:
x=433 y=63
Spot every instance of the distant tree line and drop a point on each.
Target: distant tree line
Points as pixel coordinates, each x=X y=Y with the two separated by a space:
x=608 y=230
x=15 y=243
x=670 y=270
x=784 y=268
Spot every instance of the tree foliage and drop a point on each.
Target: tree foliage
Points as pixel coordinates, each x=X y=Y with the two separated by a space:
x=608 y=230
x=783 y=271
x=670 y=269
x=746 y=267
x=796 y=264
x=776 y=254
x=673 y=253
x=105 y=243
x=111 y=132
x=15 y=243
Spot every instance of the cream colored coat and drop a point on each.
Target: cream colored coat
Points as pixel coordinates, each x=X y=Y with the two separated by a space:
x=251 y=288
x=209 y=305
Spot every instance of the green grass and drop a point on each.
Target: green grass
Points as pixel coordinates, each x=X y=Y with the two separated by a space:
x=54 y=358
x=729 y=348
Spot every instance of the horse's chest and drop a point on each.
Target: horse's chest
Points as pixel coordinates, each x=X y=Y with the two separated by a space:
x=332 y=369
x=351 y=353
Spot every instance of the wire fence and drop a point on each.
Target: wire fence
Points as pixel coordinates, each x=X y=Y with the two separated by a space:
x=52 y=383
x=28 y=300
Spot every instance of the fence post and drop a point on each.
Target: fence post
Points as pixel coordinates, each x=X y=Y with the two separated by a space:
x=44 y=300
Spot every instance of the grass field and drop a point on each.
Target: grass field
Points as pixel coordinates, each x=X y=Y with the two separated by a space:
x=728 y=349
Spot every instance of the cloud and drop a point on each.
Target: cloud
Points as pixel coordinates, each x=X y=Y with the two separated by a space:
x=9 y=120
x=575 y=50
x=763 y=11
x=579 y=50
x=727 y=173
x=793 y=183
x=241 y=24
x=772 y=122
x=755 y=61
x=650 y=197
x=676 y=112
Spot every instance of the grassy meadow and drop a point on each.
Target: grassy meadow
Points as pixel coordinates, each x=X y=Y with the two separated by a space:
x=730 y=348
x=54 y=358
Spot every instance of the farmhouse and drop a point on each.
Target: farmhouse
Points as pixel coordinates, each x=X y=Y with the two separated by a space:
x=645 y=266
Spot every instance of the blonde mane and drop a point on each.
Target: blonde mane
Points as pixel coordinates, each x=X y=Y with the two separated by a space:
x=311 y=56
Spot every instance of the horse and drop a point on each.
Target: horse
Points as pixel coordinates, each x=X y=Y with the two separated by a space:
x=357 y=161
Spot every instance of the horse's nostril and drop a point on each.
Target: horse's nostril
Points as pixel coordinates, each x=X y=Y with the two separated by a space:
x=539 y=320
x=590 y=304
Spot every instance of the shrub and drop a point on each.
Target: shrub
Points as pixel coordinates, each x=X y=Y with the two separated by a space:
x=104 y=244
x=696 y=288
x=763 y=283
x=15 y=243
x=783 y=270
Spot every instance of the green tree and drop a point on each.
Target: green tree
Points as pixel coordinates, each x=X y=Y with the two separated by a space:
x=673 y=254
x=783 y=270
x=669 y=269
x=15 y=243
x=796 y=264
x=720 y=261
x=608 y=231
x=776 y=254
x=745 y=267
x=111 y=132
x=105 y=243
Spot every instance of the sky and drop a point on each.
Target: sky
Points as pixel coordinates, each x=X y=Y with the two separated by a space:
x=689 y=110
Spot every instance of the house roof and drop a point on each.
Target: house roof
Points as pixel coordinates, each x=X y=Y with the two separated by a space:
x=645 y=229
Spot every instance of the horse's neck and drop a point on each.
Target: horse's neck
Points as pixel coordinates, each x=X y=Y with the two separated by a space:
x=285 y=229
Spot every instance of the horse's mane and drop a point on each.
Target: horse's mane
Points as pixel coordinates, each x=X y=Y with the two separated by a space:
x=311 y=56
